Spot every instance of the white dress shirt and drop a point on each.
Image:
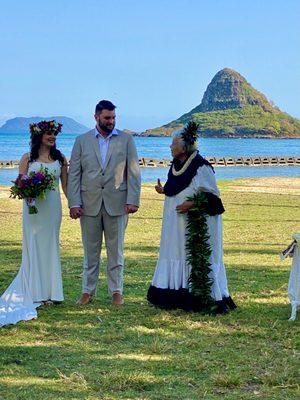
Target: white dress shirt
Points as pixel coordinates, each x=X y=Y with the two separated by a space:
x=104 y=143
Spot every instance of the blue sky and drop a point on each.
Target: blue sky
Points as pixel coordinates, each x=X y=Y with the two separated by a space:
x=152 y=58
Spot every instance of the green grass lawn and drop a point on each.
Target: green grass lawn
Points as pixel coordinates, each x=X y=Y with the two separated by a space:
x=139 y=352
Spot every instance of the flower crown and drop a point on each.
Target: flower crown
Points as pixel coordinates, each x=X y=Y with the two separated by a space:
x=45 y=126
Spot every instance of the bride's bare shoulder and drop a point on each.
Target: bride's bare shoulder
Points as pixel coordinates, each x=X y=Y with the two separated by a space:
x=25 y=157
x=24 y=162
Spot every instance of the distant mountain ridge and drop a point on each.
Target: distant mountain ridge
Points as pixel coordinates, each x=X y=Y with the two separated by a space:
x=21 y=124
x=231 y=107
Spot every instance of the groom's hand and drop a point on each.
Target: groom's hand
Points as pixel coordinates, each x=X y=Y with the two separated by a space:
x=131 y=209
x=76 y=212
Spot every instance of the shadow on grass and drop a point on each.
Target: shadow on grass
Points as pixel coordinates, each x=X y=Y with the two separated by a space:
x=43 y=389
x=242 y=250
x=254 y=244
x=101 y=348
x=16 y=243
x=139 y=270
x=142 y=249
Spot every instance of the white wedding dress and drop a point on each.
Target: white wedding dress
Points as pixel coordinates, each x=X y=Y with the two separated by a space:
x=39 y=277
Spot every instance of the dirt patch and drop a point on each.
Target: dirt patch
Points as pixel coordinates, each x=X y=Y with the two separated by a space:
x=276 y=185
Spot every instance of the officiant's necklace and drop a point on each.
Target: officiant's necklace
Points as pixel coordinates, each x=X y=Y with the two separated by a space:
x=185 y=166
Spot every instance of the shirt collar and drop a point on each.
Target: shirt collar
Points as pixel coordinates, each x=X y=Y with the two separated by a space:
x=98 y=134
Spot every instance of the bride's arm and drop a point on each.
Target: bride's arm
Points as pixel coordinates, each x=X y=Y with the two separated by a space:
x=23 y=164
x=64 y=176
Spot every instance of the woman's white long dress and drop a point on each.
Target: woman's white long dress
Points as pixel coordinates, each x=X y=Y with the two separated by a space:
x=39 y=277
x=172 y=271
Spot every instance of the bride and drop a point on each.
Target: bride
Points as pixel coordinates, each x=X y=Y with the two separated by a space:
x=39 y=278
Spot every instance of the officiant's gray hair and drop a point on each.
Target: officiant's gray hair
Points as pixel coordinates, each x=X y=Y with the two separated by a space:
x=189 y=148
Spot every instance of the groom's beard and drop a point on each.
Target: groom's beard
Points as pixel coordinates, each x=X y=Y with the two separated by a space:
x=105 y=128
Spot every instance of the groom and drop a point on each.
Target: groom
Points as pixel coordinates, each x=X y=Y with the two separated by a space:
x=104 y=186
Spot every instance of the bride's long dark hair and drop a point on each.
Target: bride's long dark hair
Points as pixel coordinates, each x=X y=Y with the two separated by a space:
x=35 y=145
x=37 y=131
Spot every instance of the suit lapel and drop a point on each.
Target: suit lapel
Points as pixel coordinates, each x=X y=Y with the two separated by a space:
x=111 y=147
x=96 y=148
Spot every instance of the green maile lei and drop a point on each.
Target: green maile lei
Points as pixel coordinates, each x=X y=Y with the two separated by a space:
x=198 y=253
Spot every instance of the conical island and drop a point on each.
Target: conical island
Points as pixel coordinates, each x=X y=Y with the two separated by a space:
x=231 y=107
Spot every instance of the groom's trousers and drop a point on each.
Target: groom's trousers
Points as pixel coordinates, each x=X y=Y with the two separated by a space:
x=93 y=229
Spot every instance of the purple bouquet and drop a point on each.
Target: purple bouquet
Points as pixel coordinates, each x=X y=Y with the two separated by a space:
x=33 y=186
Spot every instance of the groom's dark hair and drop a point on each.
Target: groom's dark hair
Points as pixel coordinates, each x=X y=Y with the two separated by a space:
x=104 y=105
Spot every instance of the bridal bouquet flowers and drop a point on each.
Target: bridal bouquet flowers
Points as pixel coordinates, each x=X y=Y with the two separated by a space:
x=33 y=186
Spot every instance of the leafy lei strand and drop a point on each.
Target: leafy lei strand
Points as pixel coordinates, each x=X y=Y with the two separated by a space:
x=198 y=253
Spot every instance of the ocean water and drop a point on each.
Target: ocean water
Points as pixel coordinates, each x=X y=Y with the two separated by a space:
x=12 y=146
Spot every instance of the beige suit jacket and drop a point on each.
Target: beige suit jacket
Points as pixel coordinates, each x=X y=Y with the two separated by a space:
x=115 y=184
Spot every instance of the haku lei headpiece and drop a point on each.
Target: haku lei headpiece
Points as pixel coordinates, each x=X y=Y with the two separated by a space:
x=190 y=132
x=45 y=126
